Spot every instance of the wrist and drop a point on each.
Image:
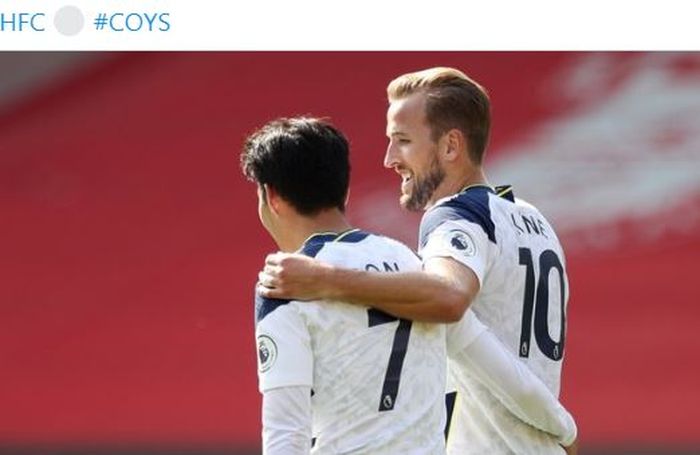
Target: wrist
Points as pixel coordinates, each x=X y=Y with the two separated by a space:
x=326 y=278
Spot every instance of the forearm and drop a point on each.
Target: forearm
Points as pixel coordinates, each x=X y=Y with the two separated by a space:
x=518 y=389
x=417 y=296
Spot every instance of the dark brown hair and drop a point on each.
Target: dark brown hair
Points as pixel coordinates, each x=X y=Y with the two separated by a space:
x=453 y=100
x=306 y=160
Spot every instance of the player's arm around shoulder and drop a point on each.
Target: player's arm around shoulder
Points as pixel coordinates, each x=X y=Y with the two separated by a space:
x=294 y=276
x=440 y=293
x=460 y=286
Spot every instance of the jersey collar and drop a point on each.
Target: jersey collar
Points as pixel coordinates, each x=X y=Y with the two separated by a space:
x=329 y=236
x=504 y=191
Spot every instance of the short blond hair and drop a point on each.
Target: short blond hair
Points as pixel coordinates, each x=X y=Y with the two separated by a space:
x=454 y=101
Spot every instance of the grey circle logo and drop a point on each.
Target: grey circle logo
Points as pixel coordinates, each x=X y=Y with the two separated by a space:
x=461 y=241
x=69 y=20
x=267 y=352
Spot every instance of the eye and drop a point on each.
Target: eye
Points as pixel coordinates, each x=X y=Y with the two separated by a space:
x=404 y=141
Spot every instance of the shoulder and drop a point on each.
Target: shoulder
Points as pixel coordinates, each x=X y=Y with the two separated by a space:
x=471 y=205
x=526 y=207
x=321 y=244
x=521 y=203
x=357 y=247
x=264 y=306
x=391 y=244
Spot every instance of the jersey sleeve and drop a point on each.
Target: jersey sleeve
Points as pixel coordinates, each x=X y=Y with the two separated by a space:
x=518 y=388
x=461 y=240
x=463 y=333
x=284 y=346
x=286 y=416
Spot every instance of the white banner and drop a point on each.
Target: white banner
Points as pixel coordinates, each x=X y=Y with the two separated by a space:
x=349 y=25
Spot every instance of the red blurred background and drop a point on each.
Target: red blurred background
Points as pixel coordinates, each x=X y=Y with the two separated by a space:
x=129 y=241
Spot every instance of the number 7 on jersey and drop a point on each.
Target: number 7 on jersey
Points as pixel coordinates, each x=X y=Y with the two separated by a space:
x=398 y=353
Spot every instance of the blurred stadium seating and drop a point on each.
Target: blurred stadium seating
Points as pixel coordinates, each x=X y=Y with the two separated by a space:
x=129 y=241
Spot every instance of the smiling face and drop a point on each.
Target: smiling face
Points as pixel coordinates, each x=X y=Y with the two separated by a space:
x=412 y=153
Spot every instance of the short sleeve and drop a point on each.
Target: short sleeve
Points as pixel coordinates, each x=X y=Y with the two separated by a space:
x=284 y=349
x=463 y=241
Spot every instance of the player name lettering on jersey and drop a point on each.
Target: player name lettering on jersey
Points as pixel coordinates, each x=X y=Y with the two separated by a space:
x=385 y=267
x=528 y=224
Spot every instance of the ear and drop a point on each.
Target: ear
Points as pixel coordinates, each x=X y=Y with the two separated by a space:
x=455 y=145
x=272 y=198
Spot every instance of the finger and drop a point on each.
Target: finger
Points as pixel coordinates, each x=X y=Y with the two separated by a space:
x=274 y=258
x=262 y=290
x=272 y=270
x=269 y=293
x=266 y=280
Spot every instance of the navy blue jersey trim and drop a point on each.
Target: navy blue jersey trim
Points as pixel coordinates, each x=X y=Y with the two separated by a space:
x=316 y=242
x=353 y=236
x=472 y=205
x=311 y=248
x=506 y=192
x=265 y=306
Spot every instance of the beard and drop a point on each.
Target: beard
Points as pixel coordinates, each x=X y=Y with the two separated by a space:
x=423 y=187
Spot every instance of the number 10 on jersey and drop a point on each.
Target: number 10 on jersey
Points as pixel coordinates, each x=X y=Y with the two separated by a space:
x=537 y=298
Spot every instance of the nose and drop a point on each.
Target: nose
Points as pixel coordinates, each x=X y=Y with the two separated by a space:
x=390 y=157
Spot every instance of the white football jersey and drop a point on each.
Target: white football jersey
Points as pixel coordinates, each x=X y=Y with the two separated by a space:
x=377 y=382
x=520 y=265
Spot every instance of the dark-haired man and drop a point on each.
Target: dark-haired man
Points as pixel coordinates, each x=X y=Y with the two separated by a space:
x=481 y=248
x=350 y=378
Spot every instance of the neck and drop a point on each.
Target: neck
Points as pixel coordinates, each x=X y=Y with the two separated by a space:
x=454 y=183
x=299 y=228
